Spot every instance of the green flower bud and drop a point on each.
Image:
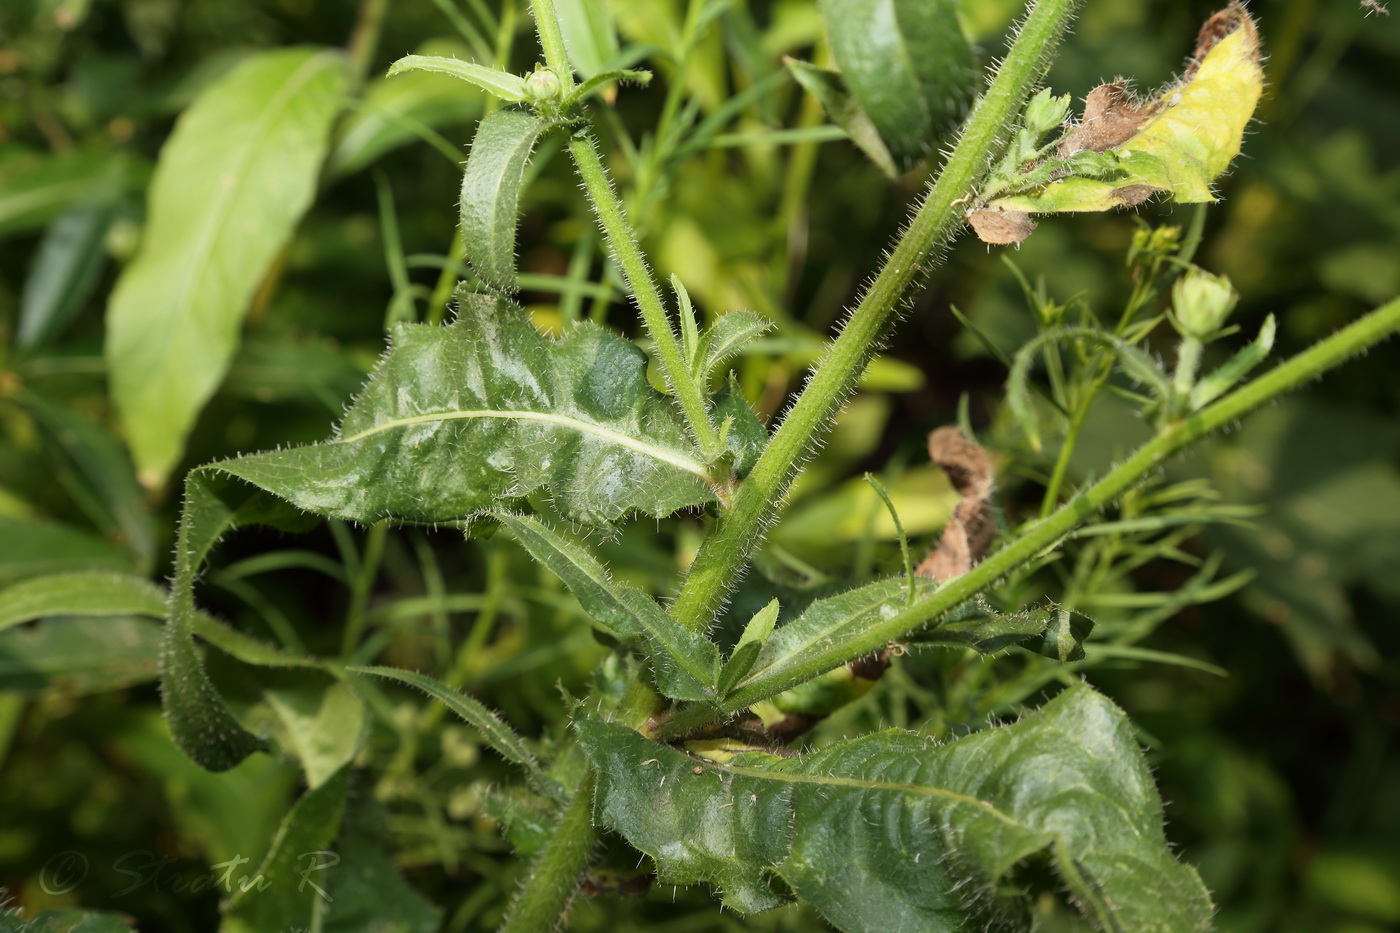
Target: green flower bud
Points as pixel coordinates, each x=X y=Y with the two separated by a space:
x=543 y=85
x=1202 y=302
x=1045 y=112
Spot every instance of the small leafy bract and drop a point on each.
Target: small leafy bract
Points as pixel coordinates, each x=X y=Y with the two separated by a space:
x=891 y=832
x=490 y=199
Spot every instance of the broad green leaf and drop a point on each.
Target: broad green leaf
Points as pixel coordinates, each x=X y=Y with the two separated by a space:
x=491 y=185
x=65 y=269
x=845 y=111
x=750 y=643
x=1193 y=132
x=590 y=35
x=83 y=593
x=892 y=832
x=501 y=84
x=232 y=182
x=493 y=729
x=79 y=654
x=686 y=664
x=729 y=334
x=322 y=718
x=907 y=63
x=296 y=870
x=484 y=412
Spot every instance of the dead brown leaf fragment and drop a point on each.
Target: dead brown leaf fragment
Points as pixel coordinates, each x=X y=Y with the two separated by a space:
x=1218 y=27
x=999 y=227
x=1111 y=118
x=973 y=524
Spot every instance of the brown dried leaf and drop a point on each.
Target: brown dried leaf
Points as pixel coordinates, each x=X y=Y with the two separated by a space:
x=1111 y=118
x=973 y=523
x=999 y=227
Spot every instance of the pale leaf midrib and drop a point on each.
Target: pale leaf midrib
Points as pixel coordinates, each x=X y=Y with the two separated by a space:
x=574 y=424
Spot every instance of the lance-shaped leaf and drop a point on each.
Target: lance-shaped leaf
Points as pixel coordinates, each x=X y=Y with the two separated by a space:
x=484 y=412
x=83 y=593
x=907 y=63
x=490 y=201
x=827 y=622
x=686 y=664
x=892 y=832
x=1124 y=152
x=501 y=84
x=746 y=649
x=232 y=182
x=724 y=339
x=845 y=111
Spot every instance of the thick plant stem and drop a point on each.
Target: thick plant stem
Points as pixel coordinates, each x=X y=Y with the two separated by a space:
x=1306 y=366
x=542 y=900
x=556 y=56
x=727 y=548
x=623 y=241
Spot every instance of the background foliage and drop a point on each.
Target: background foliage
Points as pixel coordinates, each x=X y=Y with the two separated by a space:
x=1281 y=777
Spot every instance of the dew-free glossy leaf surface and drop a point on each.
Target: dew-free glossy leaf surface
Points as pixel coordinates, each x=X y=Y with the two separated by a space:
x=890 y=832
x=232 y=182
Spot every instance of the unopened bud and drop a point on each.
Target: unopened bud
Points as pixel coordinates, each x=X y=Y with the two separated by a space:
x=543 y=85
x=1202 y=302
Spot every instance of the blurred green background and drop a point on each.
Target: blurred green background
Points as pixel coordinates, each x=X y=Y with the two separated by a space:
x=1282 y=779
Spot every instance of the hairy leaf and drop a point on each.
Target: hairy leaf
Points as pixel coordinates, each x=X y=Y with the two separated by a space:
x=724 y=339
x=485 y=412
x=493 y=729
x=891 y=832
x=490 y=200
x=1177 y=145
x=501 y=84
x=907 y=63
x=233 y=180
x=686 y=664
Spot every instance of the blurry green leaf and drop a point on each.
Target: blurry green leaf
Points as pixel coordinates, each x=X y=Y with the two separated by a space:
x=891 y=832
x=527 y=821
x=233 y=180
x=493 y=729
x=70 y=258
x=365 y=889
x=76 y=655
x=30 y=548
x=85 y=593
x=908 y=65
x=589 y=34
x=399 y=110
x=686 y=664
x=484 y=412
x=491 y=184
x=69 y=921
x=295 y=871
x=845 y=112
x=501 y=84
x=323 y=718
x=104 y=476
x=36 y=189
